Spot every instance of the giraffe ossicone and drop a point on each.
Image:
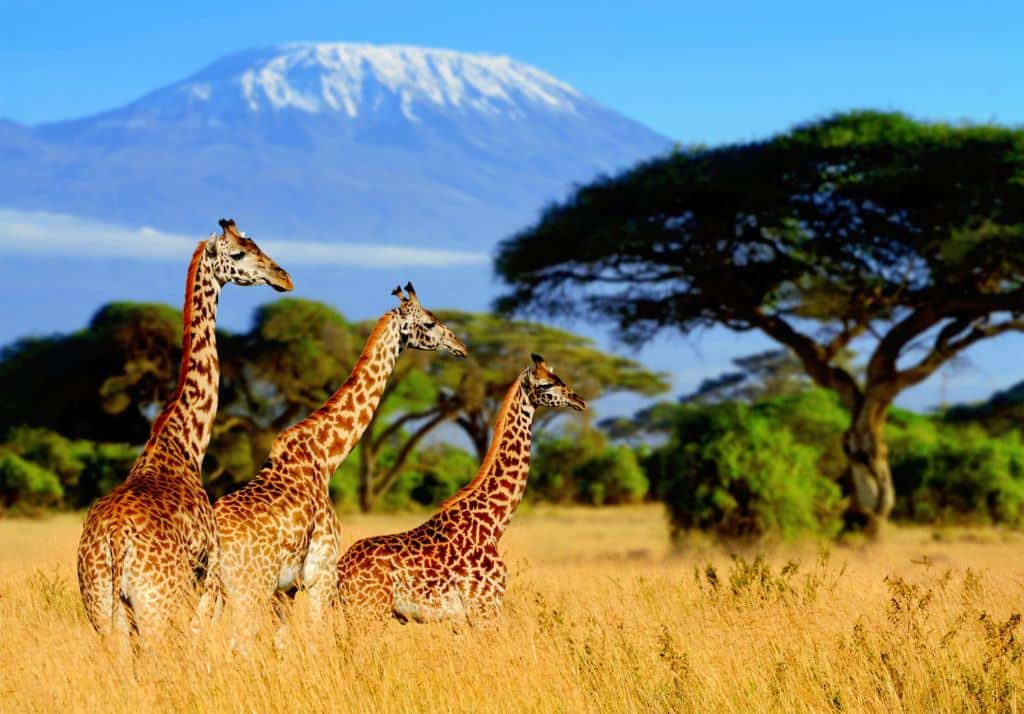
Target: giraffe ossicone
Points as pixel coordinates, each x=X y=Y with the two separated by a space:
x=450 y=566
x=148 y=544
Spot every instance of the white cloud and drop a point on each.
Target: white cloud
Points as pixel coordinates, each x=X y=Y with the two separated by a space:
x=41 y=233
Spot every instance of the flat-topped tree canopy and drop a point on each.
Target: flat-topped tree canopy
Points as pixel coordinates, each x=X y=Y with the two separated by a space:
x=860 y=224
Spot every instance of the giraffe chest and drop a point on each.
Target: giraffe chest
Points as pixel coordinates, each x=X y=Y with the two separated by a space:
x=292 y=555
x=308 y=548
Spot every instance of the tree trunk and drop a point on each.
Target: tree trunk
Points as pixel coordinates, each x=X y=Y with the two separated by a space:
x=868 y=464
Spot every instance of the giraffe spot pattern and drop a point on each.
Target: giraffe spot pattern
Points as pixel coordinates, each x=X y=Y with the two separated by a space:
x=279 y=531
x=149 y=546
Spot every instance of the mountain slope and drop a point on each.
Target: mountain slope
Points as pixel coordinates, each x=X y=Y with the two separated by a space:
x=330 y=142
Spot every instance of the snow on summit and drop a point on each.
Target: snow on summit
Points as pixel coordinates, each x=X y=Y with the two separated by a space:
x=357 y=79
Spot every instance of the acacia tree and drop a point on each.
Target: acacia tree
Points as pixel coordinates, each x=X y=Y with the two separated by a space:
x=863 y=230
x=103 y=382
x=469 y=392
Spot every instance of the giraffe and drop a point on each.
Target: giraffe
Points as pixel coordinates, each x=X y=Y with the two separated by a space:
x=147 y=544
x=280 y=532
x=449 y=566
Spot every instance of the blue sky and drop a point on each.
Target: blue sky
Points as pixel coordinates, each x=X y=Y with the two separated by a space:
x=698 y=72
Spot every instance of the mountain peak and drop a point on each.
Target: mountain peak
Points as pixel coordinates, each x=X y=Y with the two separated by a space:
x=357 y=141
x=355 y=80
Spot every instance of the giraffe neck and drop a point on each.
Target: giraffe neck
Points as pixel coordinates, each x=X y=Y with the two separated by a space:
x=185 y=424
x=492 y=497
x=333 y=429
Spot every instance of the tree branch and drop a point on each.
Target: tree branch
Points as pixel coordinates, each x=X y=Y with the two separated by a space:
x=882 y=365
x=849 y=332
x=383 y=484
x=955 y=337
x=401 y=421
x=813 y=356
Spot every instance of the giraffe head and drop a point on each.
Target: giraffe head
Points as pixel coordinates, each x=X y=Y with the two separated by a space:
x=546 y=389
x=419 y=327
x=237 y=259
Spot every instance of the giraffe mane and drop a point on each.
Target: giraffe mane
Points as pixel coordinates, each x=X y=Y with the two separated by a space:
x=367 y=351
x=364 y=357
x=186 y=341
x=500 y=424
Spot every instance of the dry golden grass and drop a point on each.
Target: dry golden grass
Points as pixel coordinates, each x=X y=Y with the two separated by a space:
x=601 y=616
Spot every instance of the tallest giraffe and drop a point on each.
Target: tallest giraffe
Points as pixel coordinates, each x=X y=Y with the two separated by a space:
x=148 y=543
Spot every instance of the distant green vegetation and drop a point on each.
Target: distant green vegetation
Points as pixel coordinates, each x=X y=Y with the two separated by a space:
x=753 y=451
x=42 y=469
x=776 y=465
x=78 y=406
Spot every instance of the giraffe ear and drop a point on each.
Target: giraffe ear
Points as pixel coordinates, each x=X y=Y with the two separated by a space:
x=537 y=359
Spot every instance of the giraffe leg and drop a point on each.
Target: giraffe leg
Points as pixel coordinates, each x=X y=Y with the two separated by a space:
x=150 y=608
x=211 y=602
x=322 y=595
x=249 y=603
x=161 y=597
x=367 y=592
x=95 y=581
x=319 y=568
x=486 y=593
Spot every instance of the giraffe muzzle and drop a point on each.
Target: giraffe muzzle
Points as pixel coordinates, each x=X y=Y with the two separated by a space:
x=281 y=281
x=456 y=347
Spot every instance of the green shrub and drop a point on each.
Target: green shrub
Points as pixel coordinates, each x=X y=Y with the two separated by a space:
x=105 y=466
x=735 y=470
x=436 y=472
x=84 y=470
x=25 y=484
x=581 y=467
x=815 y=418
x=967 y=475
x=432 y=474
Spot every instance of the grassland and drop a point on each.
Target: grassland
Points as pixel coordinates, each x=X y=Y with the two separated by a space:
x=602 y=615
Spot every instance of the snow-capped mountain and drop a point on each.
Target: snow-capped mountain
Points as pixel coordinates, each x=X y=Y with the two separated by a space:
x=311 y=143
x=360 y=80
x=352 y=142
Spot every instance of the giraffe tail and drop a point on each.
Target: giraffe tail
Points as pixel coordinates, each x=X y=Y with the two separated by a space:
x=119 y=543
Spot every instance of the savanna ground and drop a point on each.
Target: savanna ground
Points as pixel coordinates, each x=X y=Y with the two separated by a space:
x=601 y=615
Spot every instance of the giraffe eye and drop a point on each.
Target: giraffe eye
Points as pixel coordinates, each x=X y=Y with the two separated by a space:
x=237 y=256
x=429 y=325
x=544 y=387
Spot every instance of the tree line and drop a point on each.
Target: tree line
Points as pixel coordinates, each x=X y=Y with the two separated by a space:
x=77 y=406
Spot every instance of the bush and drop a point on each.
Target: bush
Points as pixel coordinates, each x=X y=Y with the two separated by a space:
x=735 y=470
x=437 y=472
x=815 y=418
x=961 y=475
x=24 y=484
x=583 y=468
x=83 y=470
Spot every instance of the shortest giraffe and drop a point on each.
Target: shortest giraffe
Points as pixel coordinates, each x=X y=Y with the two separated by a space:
x=449 y=566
